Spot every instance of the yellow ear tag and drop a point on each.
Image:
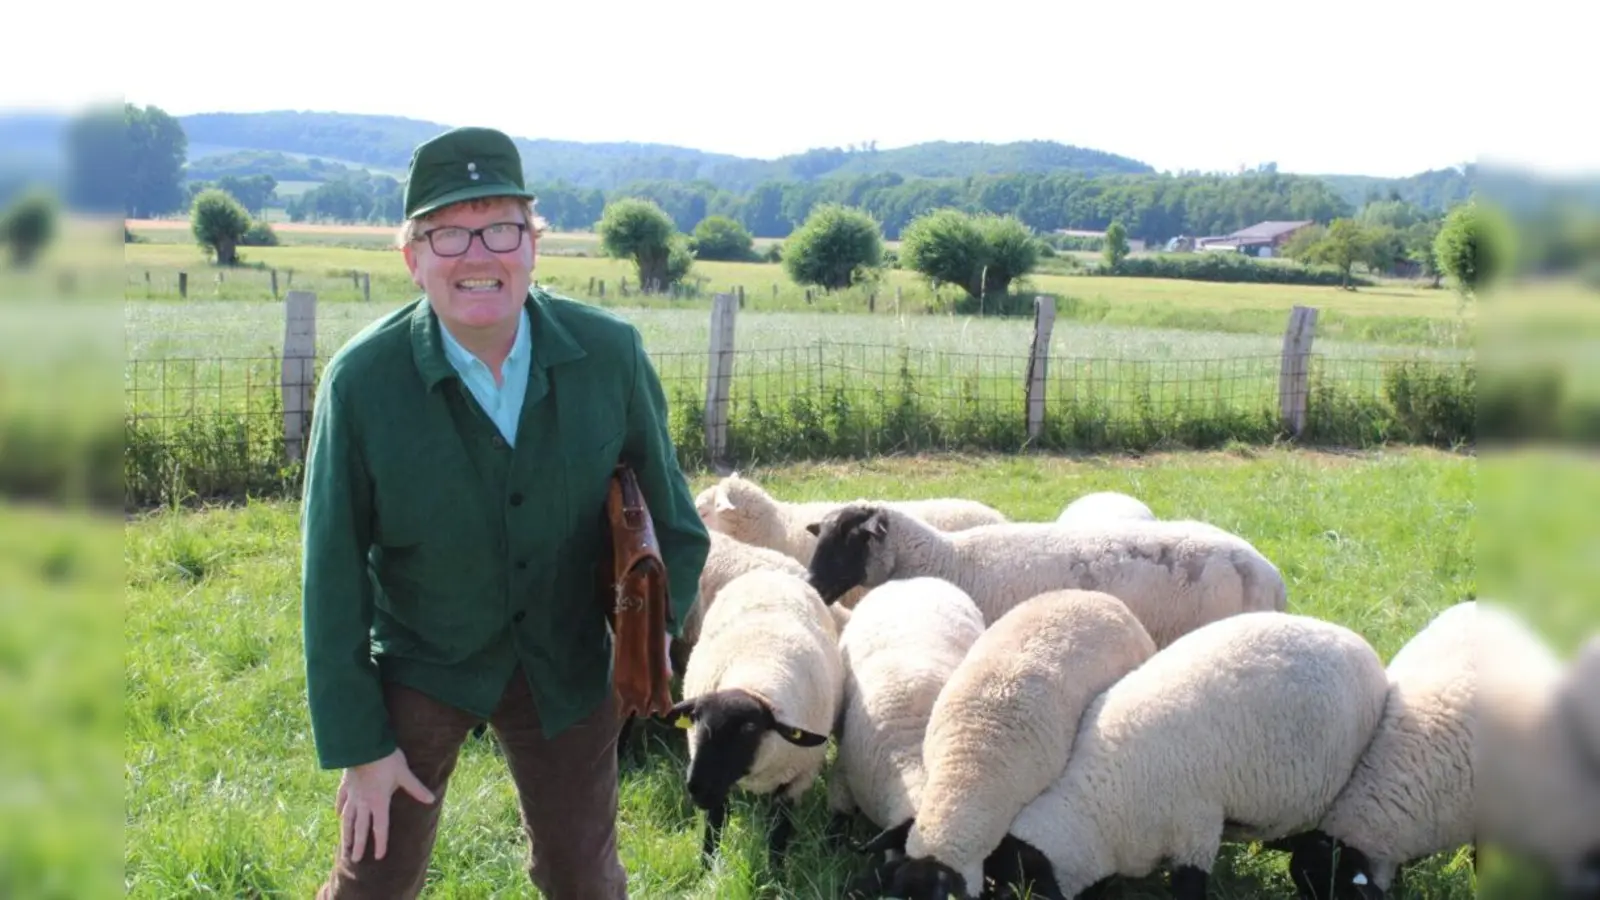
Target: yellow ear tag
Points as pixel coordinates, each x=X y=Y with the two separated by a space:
x=682 y=722
x=796 y=734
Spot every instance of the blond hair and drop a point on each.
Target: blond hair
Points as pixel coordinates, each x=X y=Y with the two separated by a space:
x=411 y=229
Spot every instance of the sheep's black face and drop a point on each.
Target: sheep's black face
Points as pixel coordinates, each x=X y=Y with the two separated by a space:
x=729 y=727
x=844 y=545
x=1016 y=865
x=925 y=879
x=1324 y=869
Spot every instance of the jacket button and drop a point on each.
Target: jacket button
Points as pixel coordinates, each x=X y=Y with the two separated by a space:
x=519 y=617
x=522 y=564
x=516 y=499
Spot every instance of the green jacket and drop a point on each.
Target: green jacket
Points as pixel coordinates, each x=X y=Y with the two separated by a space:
x=437 y=556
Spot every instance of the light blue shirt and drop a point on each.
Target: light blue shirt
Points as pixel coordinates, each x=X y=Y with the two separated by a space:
x=503 y=402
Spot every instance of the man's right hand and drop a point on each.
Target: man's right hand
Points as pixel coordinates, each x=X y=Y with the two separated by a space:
x=363 y=802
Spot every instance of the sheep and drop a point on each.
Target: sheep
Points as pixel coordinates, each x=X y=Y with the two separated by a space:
x=760 y=695
x=1243 y=729
x=1538 y=776
x=903 y=641
x=1412 y=793
x=1173 y=575
x=740 y=508
x=1105 y=505
x=1002 y=729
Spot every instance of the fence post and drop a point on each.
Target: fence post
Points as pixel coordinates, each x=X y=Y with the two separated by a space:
x=1044 y=320
x=719 y=376
x=299 y=368
x=183 y=285
x=274 y=284
x=1294 y=376
x=366 y=286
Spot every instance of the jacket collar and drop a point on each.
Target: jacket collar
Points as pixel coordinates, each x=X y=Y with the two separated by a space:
x=553 y=344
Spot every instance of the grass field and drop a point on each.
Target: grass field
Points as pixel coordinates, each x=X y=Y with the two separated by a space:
x=1392 y=313
x=223 y=796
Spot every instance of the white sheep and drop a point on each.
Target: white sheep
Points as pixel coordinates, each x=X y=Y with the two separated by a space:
x=1244 y=729
x=740 y=508
x=903 y=641
x=760 y=695
x=1003 y=728
x=1102 y=505
x=1411 y=794
x=1538 y=774
x=1174 y=575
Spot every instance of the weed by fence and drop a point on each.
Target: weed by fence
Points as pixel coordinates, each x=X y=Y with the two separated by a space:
x=216 y=428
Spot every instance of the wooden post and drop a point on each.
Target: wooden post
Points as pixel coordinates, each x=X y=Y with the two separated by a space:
x=602 y=289
x=1044 y=320
x=719 y=376
x=872 y=302
x=183 y=285
x=299 y=368
x=897 y=299
x=366 y=286
x=274 y=284
x=741 y=296
x=591 y=285
x=1294 y=377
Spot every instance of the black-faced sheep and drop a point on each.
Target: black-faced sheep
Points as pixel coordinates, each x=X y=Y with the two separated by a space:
x=1175 y=576
x=903 y=641
x=761 y=693
x=1411 y=795
x=740 y=508
x=1102 y=505
x=1018 y=697
x=1244 y=729
x=1538 y=773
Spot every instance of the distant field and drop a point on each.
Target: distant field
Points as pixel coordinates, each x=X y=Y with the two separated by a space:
x=1394 y=315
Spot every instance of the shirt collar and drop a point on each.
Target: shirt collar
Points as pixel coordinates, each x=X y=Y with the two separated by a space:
x=463 y=359
x=547 y=341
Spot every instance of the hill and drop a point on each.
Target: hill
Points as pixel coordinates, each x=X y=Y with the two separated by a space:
x=385 y=143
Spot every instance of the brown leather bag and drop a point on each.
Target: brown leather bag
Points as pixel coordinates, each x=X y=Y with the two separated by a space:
x=634 y=593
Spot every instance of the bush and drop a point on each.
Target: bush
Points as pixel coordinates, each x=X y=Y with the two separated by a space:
x=834 y=247
x=1229 y=267
x=259 y=235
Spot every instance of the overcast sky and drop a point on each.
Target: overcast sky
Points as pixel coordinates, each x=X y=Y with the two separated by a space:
x=1191 y=85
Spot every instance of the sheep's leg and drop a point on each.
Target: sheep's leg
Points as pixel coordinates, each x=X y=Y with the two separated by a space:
x=1188 y=883
x=837 y=834
x=716 y=816
x=782 y=829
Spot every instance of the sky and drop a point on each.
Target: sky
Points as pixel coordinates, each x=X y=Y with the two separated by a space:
x=1356 y=87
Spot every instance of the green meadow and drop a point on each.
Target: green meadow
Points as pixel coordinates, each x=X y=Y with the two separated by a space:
x=224 y=797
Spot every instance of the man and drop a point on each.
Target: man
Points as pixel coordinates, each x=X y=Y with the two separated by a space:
x=460 y=455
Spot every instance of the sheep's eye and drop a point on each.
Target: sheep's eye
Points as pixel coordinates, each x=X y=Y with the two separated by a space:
x=750 y=727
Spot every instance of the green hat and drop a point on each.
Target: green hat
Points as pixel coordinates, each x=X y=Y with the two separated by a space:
x=463 y=164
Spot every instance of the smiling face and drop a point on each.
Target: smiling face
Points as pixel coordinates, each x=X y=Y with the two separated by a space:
x=480 y=290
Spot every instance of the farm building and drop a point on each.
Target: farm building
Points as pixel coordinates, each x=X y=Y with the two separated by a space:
x=1135 y=245
x=1260 y=239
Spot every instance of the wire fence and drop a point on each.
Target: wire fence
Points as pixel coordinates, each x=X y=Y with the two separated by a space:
x=214 y=427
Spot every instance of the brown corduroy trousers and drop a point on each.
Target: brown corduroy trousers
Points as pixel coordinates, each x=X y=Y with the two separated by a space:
x=566 y=787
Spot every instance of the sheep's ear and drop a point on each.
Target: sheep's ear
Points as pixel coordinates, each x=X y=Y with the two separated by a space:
x=877 y=524
x=799 y=736
x=815 y=529
x=681 y=715
x=722 y=502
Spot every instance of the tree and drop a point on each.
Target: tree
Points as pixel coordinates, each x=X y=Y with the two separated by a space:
x=637 y=229
x=1116 y=246
x=1419 y=240
x=219 y=223
x=28 y=226
x=1473 y=246
x=719 y=237
x=156 y=150
x=1345 y=244
x=982 y=253
x=833 y=247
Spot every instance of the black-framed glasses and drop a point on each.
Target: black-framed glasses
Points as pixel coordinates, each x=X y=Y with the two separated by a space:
x=453 y=240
